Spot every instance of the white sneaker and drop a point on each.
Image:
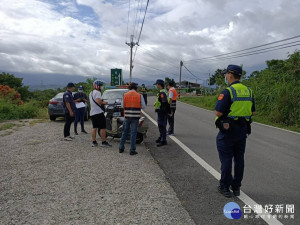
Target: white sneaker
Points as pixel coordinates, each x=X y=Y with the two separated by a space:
x=68 y=139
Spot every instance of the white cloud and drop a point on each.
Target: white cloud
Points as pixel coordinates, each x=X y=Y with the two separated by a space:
x=36 y=37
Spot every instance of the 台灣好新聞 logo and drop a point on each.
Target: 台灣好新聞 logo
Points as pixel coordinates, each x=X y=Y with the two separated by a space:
x=232 y=211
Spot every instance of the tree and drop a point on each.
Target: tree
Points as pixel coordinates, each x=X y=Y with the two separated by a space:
x=217 y=78
x=168 y=80
x=15 y=83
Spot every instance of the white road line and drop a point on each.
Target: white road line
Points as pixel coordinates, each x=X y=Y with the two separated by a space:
x=278 y=128
x=243 y=197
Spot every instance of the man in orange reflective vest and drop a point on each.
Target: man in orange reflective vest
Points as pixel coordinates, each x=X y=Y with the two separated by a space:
x=173 y=98
x=133 y=103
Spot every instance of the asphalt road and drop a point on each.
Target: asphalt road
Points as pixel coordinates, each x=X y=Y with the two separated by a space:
x=272 y=167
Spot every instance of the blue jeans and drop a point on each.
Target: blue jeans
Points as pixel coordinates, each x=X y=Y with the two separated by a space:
x=79 y=116
x=131 y=123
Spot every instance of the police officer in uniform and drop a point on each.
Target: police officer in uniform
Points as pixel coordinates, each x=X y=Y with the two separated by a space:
x=133 y=103
x=70 y=110
x=233 y=111
x=162 y=107
x=144 y=93
x=173 y=98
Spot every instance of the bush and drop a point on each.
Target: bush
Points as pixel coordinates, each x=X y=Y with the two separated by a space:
x=277 y=90
x=10 y=95
x=9 y=110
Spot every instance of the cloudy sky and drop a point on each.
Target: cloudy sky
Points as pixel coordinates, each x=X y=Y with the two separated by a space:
x=87 y=37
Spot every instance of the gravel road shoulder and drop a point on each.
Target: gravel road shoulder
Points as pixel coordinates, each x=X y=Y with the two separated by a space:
x=45 y=180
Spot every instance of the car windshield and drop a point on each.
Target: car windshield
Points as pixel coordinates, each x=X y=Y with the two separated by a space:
x=114 y=94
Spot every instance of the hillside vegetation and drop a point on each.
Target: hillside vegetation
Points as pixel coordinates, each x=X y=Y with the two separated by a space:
x=276 y=91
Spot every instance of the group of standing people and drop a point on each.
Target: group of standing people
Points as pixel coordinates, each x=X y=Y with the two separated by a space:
x=165 y=106
x=233 y=110
x=75 y=111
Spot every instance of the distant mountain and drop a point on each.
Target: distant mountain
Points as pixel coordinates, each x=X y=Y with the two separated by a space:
x=54 y=81
x=50 y=81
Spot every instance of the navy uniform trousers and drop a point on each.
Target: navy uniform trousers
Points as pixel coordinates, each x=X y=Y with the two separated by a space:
x=232 y=146
x=162 y=119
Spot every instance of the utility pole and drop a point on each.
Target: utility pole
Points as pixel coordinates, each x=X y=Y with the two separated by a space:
x=209 y=81
x=181 y=64
x=131 y=45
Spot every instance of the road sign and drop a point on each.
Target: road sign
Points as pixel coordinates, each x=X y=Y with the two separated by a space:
x=116 y=77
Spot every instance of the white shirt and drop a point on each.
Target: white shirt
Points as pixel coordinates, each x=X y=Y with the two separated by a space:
x=95 y=109
x=171 y=93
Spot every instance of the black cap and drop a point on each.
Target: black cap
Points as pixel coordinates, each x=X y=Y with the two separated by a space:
x=80 y=87
x=171 y=83
x=133 y=85
x=70 y=85
x=237 y=70
x=159 y=81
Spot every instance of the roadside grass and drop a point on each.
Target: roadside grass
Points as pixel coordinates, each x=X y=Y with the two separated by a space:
x=42 y=114
x=9 y=128
x=6 y=126
x=208 y=102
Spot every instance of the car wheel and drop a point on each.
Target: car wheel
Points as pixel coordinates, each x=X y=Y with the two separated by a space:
x=139 y=138
x=52 y=118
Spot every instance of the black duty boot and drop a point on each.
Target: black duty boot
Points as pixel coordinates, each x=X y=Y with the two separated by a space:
x=224 y=191
x=157 y=140
x=236 y=190
x=162 y=143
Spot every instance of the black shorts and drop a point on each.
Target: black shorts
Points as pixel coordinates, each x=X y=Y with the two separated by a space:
x=99 y=121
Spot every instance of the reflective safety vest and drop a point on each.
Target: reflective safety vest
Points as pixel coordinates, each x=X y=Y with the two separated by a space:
x=157 y=103
x=132 y=104
x=242 y=101
x=173 y=105
x=143 y=90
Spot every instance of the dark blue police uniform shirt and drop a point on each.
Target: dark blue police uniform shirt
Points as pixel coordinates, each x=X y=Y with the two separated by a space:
x=80 y=95
x=224 y=102
x=162 y=97
x=68 y=97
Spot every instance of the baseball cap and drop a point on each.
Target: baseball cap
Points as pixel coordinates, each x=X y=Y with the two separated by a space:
x=70 y=85
x=159 y=81
x=233 y=69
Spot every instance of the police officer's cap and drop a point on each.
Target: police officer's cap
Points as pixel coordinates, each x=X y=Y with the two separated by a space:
x=70 y=85
x=80 y=87
x=237 y=70
x=159 y=81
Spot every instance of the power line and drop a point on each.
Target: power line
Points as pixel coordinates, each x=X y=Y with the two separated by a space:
x=156 y=69
x=247 y=54
x=212 y=57
x=190 y=72
x=143 y=21
x=136 y=21
x=139 y=17
x=127 y=21
x=141 y=29
x=155 y=56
